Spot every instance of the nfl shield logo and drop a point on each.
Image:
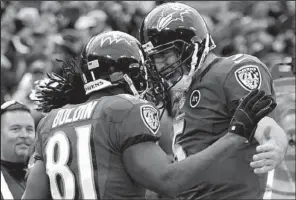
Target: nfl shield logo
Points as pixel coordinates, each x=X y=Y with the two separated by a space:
x=194 y=98
x=249 y=77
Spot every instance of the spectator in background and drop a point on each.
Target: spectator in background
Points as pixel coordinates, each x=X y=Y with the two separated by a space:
x=17 y=137
x=73 y=42
x=38 y=66
x=58 y=29
x=70 y=12
x=29 y=17
x=286 y=110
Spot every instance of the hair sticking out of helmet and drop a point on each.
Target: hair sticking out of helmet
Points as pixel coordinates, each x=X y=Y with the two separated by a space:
x=56 y=91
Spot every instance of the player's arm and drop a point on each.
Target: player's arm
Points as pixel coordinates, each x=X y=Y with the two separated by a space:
x=268 y=129
x=273 y=146
x=147 y=163
x=249 y=73
x=37 y=183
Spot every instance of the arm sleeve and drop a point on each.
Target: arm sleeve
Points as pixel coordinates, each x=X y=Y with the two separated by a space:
x=244 y=77
x=141 y=125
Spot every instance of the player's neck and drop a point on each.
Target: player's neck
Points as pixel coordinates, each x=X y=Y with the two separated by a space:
x=210 y=58
x=107 y=92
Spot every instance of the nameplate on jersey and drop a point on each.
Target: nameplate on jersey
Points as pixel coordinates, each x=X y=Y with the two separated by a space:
x=249 y=77
x=81 y=112
x=150 y=117
x=194 y=98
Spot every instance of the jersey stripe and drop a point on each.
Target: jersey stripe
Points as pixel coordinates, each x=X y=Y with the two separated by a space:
x=5 y=189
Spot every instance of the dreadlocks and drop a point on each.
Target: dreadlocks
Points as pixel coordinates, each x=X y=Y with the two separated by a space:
x=56 y=91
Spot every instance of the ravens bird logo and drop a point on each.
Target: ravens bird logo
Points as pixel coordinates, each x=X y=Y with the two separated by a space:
x=171 y=14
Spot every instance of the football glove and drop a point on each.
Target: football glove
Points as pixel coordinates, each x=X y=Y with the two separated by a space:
x=249 y=112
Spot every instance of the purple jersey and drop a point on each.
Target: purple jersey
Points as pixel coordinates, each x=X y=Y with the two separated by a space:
x=209 y=106
x=82 y=146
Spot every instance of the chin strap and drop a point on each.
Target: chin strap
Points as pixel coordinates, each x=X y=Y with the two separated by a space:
x=131 y=85
x=133 y=88
x=194 y=60
x=203 y=55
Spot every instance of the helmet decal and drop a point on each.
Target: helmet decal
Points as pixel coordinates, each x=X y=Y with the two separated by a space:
x=114 y=59
x=171 y=14
x=96 y=85
x=93 y=64
x=114 y=38
x=147 y=47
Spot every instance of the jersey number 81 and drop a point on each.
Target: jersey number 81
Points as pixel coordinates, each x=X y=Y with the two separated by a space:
x=59 y=144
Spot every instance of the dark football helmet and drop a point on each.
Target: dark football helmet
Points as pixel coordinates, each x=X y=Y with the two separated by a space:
x=175 y=26
x=114 y=59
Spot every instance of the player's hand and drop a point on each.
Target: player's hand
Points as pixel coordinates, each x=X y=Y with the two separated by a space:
x=269 y=155
x=249 y=112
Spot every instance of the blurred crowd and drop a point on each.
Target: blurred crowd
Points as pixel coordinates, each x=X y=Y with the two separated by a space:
x=36 y=33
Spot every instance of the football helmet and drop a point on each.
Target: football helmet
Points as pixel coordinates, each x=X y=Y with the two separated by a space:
x=180 y=27
x=112 y=59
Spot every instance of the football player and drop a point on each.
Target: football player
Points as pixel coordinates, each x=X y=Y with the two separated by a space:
x=105 y=147
x=203 y=91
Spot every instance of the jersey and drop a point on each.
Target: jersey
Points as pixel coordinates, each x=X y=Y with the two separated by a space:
x=82 y=146
x=205 y=117
x=13 y=182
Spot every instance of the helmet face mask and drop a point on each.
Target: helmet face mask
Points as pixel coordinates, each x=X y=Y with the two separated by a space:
x=179 y=27
x=178 y=47
x=113 y=59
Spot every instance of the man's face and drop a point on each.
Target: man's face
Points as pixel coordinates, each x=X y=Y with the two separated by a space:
x=17 y=135
x=167 y=58
x=39 y=68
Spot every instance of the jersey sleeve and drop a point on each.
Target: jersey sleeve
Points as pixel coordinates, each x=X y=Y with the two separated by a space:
x=247 y=73
x=141 y=125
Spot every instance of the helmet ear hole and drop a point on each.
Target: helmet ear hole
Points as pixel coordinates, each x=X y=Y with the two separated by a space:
x=111 y=69
x=189 y=48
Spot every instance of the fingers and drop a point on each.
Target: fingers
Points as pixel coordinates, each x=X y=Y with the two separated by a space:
x=262 y=114
x=265 y=148
x=263 y=169
x=255 y=99
x=266 y=101
x=248 y=97
x=261 y=104
x=264 y=155
x=262 y=163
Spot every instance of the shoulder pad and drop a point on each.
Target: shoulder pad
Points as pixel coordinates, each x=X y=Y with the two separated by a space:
x=46 y=121
x=132 y=99
x=244 y=58
x=249 y=72
x=119 y=106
